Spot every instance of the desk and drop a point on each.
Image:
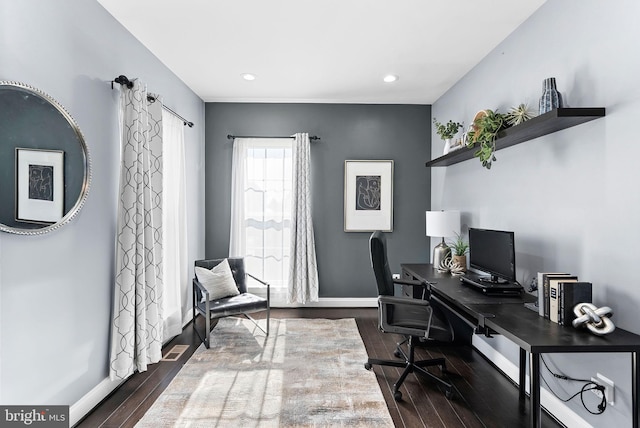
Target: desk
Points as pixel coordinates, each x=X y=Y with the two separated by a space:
x=534 y=334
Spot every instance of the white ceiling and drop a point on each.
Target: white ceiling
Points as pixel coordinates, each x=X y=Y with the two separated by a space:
x=322 y=51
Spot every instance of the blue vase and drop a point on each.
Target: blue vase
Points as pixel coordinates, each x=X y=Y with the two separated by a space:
x=551 y=98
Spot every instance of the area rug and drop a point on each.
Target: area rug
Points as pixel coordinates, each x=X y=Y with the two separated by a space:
x=306 y=373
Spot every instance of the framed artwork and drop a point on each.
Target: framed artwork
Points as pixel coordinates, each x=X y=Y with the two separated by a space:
x=39 y=185
x=368 y=195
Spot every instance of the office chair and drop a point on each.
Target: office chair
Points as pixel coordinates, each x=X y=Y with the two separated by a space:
x=242 y=304
x=414 y=318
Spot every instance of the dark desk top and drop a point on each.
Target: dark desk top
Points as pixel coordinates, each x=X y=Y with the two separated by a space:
x=508 y=317
x=456 y=293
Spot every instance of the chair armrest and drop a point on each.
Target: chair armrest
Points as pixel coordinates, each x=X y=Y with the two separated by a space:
x=411 y=282
x=408 y=301
x=204 y=291
x=426 y=286
x=263 y=283
x=259 y=280
x=405 y=315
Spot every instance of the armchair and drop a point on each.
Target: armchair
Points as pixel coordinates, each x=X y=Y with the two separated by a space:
x=242 y=304
x=413 y=318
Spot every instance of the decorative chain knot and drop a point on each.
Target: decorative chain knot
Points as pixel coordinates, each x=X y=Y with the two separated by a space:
x=594 y=318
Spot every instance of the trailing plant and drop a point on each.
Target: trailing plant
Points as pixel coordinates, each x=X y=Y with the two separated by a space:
x=519 y=114
x=447 y=130
x=459 y=247
x=484 y=132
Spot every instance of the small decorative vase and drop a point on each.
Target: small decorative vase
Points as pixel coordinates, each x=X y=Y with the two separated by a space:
x=461 y=261
x=447 y=145
x=551 y=98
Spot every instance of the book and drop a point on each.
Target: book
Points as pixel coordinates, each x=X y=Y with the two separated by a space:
x=541 y=296
x=554 y=294
x=572 y=293
x=543 y=292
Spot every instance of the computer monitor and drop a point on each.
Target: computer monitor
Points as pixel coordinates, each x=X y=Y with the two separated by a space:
x=493 y=252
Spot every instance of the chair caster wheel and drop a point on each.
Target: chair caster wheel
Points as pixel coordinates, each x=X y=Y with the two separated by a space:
x=397 y=353
x=367 y=366
x=448 y=393
x=397 y=396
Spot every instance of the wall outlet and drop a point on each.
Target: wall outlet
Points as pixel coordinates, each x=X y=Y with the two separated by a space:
x=609 y=388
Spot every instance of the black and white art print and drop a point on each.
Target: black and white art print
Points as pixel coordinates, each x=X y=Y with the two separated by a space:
x=368 y=195
x=368 y=192
x=39 y=185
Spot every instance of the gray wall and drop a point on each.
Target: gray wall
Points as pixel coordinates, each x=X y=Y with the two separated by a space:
x=398 y=132
x=56 y=289
x=571 y=197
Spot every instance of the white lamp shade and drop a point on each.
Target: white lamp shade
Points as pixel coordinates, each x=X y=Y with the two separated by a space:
x=442 y=224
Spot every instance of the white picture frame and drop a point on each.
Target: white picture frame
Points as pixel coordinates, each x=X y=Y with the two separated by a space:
x=39 y=185
x=368 y=195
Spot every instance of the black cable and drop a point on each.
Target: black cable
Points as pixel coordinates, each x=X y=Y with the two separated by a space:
x=603 y=403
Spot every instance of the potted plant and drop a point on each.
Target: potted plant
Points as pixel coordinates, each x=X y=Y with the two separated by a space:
x=459 y=249
x=484 y=131
x=446 y=132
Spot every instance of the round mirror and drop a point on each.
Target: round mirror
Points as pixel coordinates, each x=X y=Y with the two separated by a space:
x=44 y=162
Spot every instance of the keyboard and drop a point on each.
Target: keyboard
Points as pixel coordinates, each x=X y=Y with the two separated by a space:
x=484 y=285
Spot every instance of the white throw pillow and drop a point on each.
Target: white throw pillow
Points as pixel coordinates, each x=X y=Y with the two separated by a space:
x=218 y=281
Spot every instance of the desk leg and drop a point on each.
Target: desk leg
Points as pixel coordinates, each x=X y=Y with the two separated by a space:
x=635 y=380
x=534 y=390
x=523 y=374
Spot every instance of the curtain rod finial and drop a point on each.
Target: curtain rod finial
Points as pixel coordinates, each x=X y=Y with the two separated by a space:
x=123 y=80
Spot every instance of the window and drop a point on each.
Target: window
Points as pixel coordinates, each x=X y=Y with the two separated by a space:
x=261 y=207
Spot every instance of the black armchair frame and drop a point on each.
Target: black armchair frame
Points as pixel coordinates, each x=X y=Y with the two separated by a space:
x=242 y=304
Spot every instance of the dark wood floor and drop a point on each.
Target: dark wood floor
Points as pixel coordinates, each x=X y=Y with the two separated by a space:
x=483 y=396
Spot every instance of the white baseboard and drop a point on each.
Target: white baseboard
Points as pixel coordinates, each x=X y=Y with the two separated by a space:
x=333 y=302
x=279 y=297
x=549 y=401
x=83 y=406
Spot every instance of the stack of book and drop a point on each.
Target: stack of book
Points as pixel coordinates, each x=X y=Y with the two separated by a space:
x=558 y=293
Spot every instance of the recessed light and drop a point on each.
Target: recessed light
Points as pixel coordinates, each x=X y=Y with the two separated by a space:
x=248 y=76
x=389 y=78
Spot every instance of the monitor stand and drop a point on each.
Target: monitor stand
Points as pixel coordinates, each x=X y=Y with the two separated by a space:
x=493 y=280
x=491 y=284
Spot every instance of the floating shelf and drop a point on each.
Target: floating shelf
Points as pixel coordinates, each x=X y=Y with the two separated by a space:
x=547 y=123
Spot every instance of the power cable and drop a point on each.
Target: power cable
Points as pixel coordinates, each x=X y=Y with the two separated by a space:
x=588 y=386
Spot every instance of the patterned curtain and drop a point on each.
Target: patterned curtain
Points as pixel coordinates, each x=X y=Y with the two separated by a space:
x=303 y=270
x=136 y=332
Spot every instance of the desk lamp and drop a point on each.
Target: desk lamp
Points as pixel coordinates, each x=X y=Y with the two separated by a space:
x=441 y=224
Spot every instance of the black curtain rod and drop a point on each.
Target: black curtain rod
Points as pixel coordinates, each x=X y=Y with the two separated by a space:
x=231 y=137
x=186 y=122
x=123 y=80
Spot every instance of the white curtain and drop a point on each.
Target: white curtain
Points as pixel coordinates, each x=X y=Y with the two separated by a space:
x=261 y=210
x=137 y=328
x=303 y=270
x=237 y=234
x=174 y=222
